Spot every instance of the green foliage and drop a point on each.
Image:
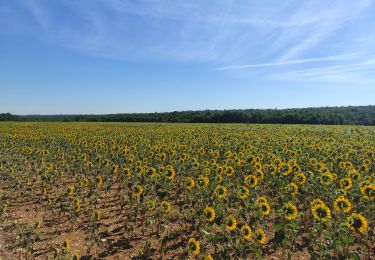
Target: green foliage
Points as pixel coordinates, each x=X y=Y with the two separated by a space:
x=352 y=115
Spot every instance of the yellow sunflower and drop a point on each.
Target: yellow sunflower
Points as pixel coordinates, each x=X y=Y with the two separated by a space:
x=321 y=212
x=189 y=184
x=243 y=192
x=368 y=191
x=193 y=246
x=251 y=180
x=246 y=232
x=264 y=209
x=342 y=204
x=138 y=190
x=231 y=223
x=346 y=183
x=292 y=189
x=209 y=214
x=290 y=211
x=357 y=222
x=260 y=236
x=165 y=206
x=221 y=192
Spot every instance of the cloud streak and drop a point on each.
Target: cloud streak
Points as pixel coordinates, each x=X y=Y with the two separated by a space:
x=290 y=62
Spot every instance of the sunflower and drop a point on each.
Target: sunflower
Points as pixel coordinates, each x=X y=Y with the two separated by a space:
x=193 y=246
x=326 y=178
x=99 y=180
x=151 y=205
x=346 y=183
x=342 y=204
x=259 y=173
x=341 y=192
x=165 y=206
x=196 y=165
x=354 y=175
x=292 y=189
x=264 y=209
x=219 y=178
x=150 y=171
x=77 y=205
x=285 y=169
x=368 y=191
x=208 y=257
x=206 y=171
x=316 y=202
x=300 y=178
x=138 y=190
x=209 y=214
x=221 y=192
x=75 y=256
x=231 y=223
x=290 y=211
x=261 y=200
x=229 y=171
x=251 y=180
x=126 y=171
x=170 y=172
x=66 y=245
x=97 y=215
x=70 y=190
x=357 y=222
x=321 y=212
x=260 y=236
x=202 y=181
x=243 y=192
x=115 y=169
x=189 y=183
x=246 y=232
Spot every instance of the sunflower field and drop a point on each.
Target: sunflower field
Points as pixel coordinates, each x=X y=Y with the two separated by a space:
x=179 y=191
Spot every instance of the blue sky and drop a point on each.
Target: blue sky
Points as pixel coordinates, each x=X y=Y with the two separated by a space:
x=117 y=56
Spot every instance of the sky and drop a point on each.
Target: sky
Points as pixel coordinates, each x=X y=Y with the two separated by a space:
x=125 y=56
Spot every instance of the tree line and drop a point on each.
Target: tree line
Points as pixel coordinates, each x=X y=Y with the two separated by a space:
x=351 y=115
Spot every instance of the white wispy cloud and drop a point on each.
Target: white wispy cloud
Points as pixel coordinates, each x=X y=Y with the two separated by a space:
x=356 y=71
x=328 y=20
x=218 y=33
x=289 y=62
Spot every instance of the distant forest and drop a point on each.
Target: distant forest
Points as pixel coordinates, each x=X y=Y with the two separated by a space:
x=352 y=115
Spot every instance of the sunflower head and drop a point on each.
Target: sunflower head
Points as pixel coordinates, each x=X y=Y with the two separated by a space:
x=209 y=214
x=300 y=178
x=189 y=184
x=243 y=192
x=321 y=212
x=66 y=245
x=170 y=172
x=165 y=206
x=202 y=181
x=342 y=204
x=97 y=215
x=290 y=211
x=221 y=192
x=326 y=178
x=70 y=190
x=346 y=183
x=246 y=232
x=357 y=223
x=138 y=190
x=368 y=191
x=264 y=209
x=193 y=246
x=292 y=189
x=260 y=236
x=75 y=256
x=231 y=223
x=251 y=180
